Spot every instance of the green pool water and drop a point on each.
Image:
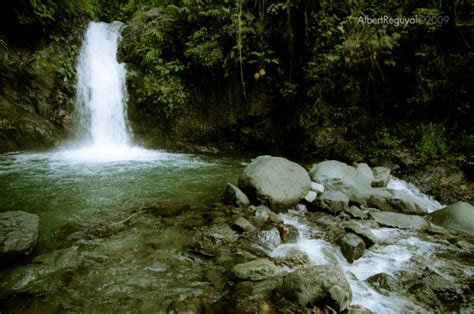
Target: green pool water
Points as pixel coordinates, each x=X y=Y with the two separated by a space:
x=60 y=188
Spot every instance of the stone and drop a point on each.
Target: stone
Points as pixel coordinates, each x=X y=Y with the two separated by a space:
x=401 y=221
x=356 y=212
x=255 y=270
x=336 y=175
x=311 y=196
x=317 y=187
x=251 y=297
x=458 y=217
x=265 y=214
x=362 y=231
x=275 y=182
x=365 y=170
x=384 y=283
x=293 y=258
x=333 y=201
x=269 y=238
x=381 y=177
x=288 y=233
x=243 y=225
x=317 y=286
x=234 y=196
x=352 y=246
x=395 y=201
x=19 y=232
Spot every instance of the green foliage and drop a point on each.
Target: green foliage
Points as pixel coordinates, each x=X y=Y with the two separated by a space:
x=204 y=49
x=432 y=143
x=385 y=143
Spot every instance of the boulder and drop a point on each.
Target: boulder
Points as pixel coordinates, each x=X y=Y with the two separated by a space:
x=333 y=201
x=269 y=238
x=336 y=175
x=401 y=221
x=288 y=233
x=293 y=258
x=362 y=231
x=352 y=246
x=395 y=201
x=256 y=270
x=357 y=309
x=458 y=217
x=384 y=283
x=275 y=182
x=18 y=233
x=317 y=286
x=252 y=297
x=243 y=225
x=234 y=196
x=381 y=177
x=365 y=170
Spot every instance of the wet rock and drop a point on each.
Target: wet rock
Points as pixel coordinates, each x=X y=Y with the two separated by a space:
x=362 y=231
x=293 y=258
x=356 y=212
x=352 y=246
x=234 y=196
x=384 y=283
x=275 y=182
x=269 y=238
x=259 y=269
x=458 y=216
x=18 y=234
x=317 y=187
x=253 y=297
x=317 y=286
x=265 y=214
x=395 y=201
x=443 y=288
x=189 y=305
x=311 y=196
x=336 y=175
x=243 y=225
x=381 y=177
x=288 y=233
x=401 y=221
x=209 y=240
x=46 y=274
x=333 y=201
x=426 y=296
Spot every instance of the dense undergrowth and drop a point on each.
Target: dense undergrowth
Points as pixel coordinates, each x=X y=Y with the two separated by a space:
x=296 y=77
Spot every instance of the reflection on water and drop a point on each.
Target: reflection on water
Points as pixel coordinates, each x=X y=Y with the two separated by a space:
x=58 y=187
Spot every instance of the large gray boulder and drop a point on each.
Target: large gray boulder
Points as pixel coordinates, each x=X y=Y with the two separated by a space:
x=275 y=182
x=256 y=270
x=336 y=175
x=357 y=184
x=317 y=285
x=458 y=216
x=401 y=221
x=18 y=233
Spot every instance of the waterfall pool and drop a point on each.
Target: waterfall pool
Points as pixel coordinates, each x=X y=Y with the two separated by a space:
x=61 y=186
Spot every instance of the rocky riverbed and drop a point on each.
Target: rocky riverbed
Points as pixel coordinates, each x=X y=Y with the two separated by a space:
x=336 y=238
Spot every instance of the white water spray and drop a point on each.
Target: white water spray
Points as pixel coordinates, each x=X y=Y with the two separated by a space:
x=101 y=95
x=101 y=101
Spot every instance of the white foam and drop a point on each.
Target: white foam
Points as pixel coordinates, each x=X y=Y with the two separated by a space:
x=429 y=202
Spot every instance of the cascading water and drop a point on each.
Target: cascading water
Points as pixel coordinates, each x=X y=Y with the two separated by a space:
x=101 y=101
x=101 y=95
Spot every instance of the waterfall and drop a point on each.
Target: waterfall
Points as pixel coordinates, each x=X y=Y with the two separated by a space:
x=101 y=94
x=101 y=101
